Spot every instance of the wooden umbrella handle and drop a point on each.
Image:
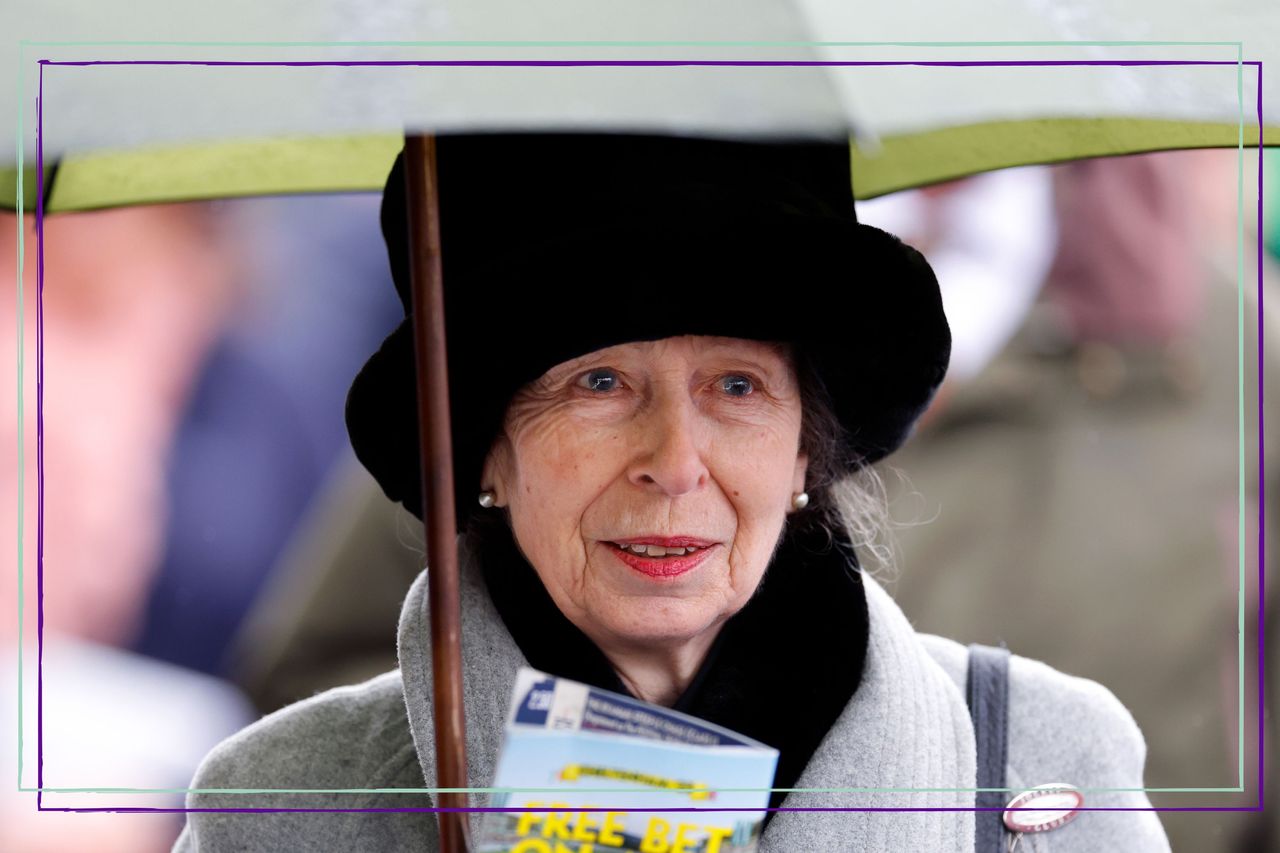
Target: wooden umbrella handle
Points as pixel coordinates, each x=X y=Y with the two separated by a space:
x=438 y=511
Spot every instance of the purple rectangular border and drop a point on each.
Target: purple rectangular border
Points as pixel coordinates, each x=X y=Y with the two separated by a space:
x=40 y=377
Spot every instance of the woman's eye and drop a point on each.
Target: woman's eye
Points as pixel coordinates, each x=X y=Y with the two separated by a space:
x=736 y=385
x=601 y=381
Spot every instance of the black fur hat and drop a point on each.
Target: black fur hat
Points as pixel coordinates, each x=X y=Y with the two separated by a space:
x=557 y=245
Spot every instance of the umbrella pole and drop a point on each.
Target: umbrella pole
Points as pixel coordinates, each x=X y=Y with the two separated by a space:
x=437 y=486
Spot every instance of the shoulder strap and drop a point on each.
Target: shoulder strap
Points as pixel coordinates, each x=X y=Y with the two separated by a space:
x=987 y=694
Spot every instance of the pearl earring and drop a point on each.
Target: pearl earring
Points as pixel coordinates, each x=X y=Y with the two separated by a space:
x=800 y=501
x=487 y=498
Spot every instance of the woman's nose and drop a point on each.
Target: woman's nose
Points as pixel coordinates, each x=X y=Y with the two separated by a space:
x=672 y=457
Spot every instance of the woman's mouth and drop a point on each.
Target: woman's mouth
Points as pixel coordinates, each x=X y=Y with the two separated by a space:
x=673 y=557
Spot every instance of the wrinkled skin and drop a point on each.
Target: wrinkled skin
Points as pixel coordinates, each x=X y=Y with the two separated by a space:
x=691 y=436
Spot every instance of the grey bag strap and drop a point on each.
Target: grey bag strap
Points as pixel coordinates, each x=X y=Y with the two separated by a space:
x=987 y=694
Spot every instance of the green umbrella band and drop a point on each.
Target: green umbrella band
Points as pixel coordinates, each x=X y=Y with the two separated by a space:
x=361 y=163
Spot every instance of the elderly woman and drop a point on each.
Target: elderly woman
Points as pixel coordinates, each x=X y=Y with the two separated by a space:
x=671 y=361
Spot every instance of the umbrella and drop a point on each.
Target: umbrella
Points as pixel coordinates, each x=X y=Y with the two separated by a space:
x=1146 y=77
x=132 y=110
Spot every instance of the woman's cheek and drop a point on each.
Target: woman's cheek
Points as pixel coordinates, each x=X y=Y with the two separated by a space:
x=567 y=471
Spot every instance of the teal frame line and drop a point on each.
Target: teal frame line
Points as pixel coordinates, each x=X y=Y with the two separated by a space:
x=1240 y=631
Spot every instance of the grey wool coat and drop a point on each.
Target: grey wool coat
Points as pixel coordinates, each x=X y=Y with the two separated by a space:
x=906 y=727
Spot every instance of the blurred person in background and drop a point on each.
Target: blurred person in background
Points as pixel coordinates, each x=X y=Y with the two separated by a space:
x=264 y=423
x=197 y=360
x=1091 y=470
x=132 y=301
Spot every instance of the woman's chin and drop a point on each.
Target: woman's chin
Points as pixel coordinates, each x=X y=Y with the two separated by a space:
x=663 y=623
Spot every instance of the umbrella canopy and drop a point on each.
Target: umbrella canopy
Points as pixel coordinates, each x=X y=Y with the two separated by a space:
x=140 y=107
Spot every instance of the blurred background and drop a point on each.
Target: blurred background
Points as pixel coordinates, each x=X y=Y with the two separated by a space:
x=212 y=551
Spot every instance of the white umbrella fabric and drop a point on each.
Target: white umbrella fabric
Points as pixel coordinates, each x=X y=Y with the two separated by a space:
x=931 y=106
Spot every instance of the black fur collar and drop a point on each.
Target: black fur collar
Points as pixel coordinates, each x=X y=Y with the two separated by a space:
x=781 y=671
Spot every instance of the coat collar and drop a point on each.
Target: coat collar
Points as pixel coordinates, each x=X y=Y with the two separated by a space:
x=907 y=727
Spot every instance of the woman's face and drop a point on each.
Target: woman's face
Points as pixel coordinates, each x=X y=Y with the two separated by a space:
x=660 y=447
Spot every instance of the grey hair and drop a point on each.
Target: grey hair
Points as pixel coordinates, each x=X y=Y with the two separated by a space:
x=854 y=501
x=861 y=507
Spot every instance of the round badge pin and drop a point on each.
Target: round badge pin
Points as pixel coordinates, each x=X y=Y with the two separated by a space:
x=1043 y=807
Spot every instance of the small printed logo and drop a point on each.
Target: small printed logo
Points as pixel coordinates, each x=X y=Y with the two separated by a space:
x=537 y=703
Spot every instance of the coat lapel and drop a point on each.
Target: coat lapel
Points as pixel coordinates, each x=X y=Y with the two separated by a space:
x=907 y=727
x=489 y=667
